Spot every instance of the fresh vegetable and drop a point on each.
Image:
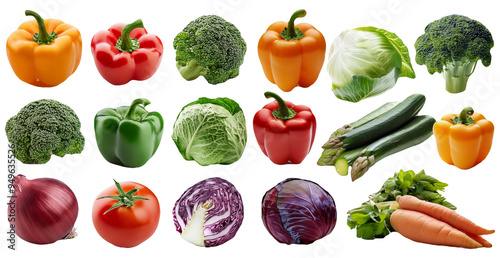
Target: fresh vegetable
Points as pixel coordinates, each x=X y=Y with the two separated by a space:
x=44 y=52
x=292 y=54
x=374 y=129
x=209 y=213
x=126 y=214
x=45 y=210
x=464 y=140
x=423 y=228
x=211 y=47
x=420 y=185
x=367 y=61
x=42 y=128
x=128 y=135
x=452 y=46
x=211 y=131
x=346 y=159
x=298 y=211
x=329 y=155
x=371 y=220
x=285 y=132
x=442 y=213
x=126 y=52
x=412 y=133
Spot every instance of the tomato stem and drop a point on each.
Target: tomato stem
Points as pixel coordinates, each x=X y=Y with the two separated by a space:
x=123 y=199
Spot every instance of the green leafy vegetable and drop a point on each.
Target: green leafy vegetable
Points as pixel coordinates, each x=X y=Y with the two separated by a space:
x=372 y=219
x=211 y=131
x=367 y=61
x=419 y=185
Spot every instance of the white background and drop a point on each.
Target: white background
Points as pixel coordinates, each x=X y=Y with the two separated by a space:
x=473 y=191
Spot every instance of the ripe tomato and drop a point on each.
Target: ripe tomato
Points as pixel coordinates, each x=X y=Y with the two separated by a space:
x=131 y=223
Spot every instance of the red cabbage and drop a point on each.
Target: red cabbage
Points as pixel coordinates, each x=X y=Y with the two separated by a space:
x=213 y=208
x=298 y=211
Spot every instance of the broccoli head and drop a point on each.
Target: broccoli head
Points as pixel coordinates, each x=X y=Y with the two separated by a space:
x=209 y=46
x=42 y=128
x=452 y=45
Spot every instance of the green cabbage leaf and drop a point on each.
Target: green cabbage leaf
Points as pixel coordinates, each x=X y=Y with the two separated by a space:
x=367 y=61
x=211 y=131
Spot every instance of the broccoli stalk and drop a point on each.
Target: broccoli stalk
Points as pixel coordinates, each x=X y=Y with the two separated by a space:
x=456 y=74
x=192 y=70
x=211 y=47
x=453 y=45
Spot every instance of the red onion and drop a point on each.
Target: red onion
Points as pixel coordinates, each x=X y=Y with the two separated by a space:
x=45 y=209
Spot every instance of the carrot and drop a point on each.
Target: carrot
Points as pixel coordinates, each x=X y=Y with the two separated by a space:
x=442 y=213
x=426 y=229
x=480 y=240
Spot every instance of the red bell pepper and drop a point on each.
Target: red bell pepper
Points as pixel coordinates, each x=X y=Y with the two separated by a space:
x=126 y=52
x=285 y=132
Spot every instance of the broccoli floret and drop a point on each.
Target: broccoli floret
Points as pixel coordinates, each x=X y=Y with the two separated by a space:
x=42 y=128
x=452 y=45
x=209 y=46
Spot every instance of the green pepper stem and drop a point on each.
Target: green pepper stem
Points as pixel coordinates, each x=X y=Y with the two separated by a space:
x=125 y=43
x=131 y=110
x=42 y=37
x=468 y=111
x=291 y=23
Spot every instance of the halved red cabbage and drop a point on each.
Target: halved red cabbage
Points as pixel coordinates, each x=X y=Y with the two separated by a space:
x=209 y=213
x=298 y=211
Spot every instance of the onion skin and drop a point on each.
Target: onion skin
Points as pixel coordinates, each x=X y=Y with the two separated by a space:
x=298 y=211
x=45 y=209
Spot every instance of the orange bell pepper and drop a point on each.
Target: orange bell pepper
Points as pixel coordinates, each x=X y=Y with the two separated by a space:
x=292 y=57
x=464 y=140
x=44 y=52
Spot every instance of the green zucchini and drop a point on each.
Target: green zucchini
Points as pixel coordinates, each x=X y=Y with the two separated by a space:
x=329 y=156
x=346 y=159
x=374 y=114
x=413 y=133
x=382 y=125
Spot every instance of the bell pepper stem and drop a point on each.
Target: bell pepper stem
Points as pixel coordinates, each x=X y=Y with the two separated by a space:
x=131 y=110
x=464 y=117
x=468 y=111
x=291 y=22
x=283 y=109
x=125 y=43
x=283 y=112
x=291 y=32
x=42 y=37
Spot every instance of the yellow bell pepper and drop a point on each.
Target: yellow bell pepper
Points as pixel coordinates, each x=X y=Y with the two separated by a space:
x=44 y=52
x=464 y=140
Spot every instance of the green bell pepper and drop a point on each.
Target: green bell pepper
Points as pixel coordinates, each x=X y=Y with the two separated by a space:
x=128 y=135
